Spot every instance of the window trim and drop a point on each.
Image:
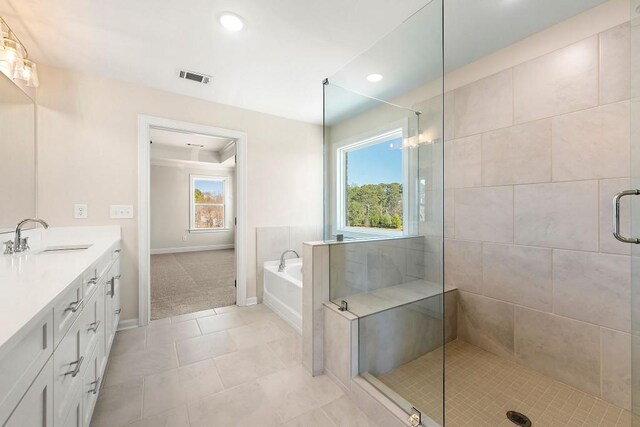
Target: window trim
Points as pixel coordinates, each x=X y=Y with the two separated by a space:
x=397 y=129
x=192 y=203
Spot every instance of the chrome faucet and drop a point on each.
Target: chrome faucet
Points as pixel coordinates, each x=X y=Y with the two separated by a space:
x=21 y=244
x=282 y=263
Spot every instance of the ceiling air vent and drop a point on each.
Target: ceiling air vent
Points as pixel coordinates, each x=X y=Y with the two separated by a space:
x=196 y=77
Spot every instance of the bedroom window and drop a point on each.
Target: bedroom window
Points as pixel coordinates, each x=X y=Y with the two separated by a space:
x=208 y=199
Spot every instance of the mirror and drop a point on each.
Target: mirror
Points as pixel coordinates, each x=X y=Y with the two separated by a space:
x=17 y=155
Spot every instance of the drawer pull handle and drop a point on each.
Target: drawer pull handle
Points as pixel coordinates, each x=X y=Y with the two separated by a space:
x=92 y=281
x=117 y=251
x=118 y=311
x=96 y=386
x=75 y=306
x=78 y=363
x=94 y=326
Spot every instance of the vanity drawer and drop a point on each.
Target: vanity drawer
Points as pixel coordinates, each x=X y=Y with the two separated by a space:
x=36 y=407
x=69 y=365
x=67 y=309
x=21 y=362
x=91 y=382
x=92 y=323
x=90 y=281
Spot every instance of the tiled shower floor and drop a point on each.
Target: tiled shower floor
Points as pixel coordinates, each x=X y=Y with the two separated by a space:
x=481 y=387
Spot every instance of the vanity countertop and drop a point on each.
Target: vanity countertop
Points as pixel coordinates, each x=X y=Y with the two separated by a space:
x=31 y=281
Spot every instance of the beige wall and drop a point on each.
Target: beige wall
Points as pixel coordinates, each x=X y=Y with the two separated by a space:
x=170 y=211
x=87 y=152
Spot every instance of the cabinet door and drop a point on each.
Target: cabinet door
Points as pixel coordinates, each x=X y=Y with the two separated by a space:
x=74 y=418
x=36 y=407
x=90 y=386
x=22 y=359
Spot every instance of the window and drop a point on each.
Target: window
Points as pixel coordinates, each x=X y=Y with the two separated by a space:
x=208 y=198
x=371 y=178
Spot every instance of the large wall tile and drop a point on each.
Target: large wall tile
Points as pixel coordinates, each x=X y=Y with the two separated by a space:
x=592 y=144
x=560 y=82
x=560 y=215
x=462 y=162
x=484 y=105
x=484 y=214
x=517 y=155
x=486 y=323
x=608 y=189
x=559 y=347
x=463 y=265
x=518 y=274
x=615 y=54
x=616 y=367
x=593 y=287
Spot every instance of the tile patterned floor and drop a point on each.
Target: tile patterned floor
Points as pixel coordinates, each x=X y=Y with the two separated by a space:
x=481 y=387
x=224 y=367
x=191 y=281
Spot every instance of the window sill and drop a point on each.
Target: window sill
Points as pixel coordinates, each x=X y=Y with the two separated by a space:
x=209 y=230
x=360 y=232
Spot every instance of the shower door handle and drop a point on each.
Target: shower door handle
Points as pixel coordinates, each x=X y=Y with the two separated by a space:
x=616 y=216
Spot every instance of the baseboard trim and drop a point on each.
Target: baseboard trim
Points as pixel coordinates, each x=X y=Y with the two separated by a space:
x=127 y=324
x=191 y=249
x=252 y=300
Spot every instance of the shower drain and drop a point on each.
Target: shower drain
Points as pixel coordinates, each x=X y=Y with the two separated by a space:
x=519 y=419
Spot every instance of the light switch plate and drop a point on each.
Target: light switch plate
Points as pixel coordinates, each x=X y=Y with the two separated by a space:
x=80 y=211
x=121 y=211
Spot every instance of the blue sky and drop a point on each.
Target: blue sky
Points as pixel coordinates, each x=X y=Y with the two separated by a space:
x=213 y=187
x=376 y=164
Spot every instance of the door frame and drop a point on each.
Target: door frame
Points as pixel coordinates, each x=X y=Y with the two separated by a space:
x=145 y=123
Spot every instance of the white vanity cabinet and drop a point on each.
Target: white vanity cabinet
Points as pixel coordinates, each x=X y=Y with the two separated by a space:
x=52 y=370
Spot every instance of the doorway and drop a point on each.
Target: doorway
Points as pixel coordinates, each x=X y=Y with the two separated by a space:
x=191 y=218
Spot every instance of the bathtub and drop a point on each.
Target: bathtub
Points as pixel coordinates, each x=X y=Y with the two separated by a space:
x=283 y=291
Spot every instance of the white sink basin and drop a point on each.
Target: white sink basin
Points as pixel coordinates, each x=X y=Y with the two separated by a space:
x=65 y=248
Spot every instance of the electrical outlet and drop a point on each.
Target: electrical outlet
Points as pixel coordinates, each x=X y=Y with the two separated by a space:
x=80 y=211
x=121 y=211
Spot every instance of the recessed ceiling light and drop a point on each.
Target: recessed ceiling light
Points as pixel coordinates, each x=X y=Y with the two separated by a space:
x=374 y=78
x=231 y=21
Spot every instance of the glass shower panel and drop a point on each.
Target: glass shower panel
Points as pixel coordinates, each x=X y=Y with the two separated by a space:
x=384 y=218
x=635 y=209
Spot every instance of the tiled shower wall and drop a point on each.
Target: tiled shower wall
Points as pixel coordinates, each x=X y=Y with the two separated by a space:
x=533 y=157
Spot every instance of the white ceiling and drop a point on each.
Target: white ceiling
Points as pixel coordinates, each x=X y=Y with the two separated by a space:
x=277 y=63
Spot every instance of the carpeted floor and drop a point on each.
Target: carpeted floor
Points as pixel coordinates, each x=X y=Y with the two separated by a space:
x=191 y=281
